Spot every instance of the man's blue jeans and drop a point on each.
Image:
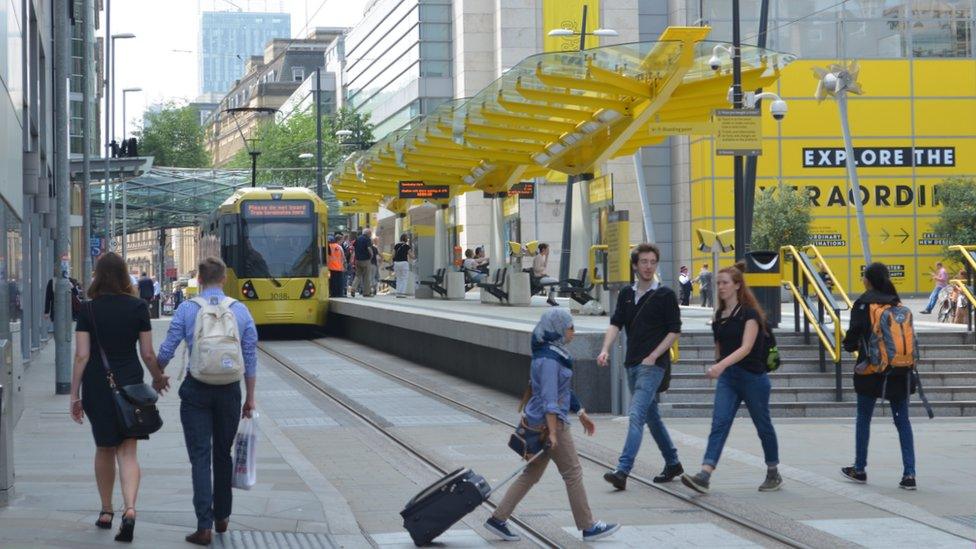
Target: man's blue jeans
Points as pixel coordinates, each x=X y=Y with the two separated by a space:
x=210 y=414
x=735 y=385
x=862 y=433
x=643 y=382
x=933 y=298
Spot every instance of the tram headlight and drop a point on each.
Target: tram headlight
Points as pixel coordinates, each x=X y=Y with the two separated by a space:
x=309 y=290
x=248 y=290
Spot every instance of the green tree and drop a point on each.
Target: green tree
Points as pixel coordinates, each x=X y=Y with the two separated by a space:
x=174 y=137
x=957 y=220
x=781 y=218
x=281 y=144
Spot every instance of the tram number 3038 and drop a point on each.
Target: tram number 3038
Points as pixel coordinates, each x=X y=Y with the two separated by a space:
x=279 y=295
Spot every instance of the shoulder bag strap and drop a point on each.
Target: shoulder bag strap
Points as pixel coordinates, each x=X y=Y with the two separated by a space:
x=101 y=350
x=647 y=297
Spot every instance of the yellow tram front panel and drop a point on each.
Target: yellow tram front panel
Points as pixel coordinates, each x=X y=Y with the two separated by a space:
x=283 y=304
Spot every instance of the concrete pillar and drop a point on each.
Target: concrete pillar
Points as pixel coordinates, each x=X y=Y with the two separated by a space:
x=440 y=239
x=498 y=253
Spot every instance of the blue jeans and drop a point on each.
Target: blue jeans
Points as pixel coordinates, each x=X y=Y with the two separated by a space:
x=734 y=386
x=210 y=414
x=643 y=382
x=899 y=412
x=933 y=298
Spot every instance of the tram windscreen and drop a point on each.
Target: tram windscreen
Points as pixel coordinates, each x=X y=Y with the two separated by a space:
x=278 y=246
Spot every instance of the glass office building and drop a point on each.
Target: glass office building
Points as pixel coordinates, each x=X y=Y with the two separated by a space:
x=398 y=61
x=228 y=39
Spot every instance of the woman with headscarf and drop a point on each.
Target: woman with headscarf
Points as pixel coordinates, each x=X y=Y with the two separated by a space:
x=550 y=403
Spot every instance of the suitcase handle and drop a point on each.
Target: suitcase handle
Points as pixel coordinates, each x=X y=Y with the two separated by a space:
x=516 y=473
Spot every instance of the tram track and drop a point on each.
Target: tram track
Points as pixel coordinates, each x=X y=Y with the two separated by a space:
x=643 y=481
x=535 y=535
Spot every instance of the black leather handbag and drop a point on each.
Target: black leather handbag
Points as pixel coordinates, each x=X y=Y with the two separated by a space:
x=135 y=404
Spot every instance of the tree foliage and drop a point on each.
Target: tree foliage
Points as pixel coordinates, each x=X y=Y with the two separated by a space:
x=281 y=144
x=781 y=218
x=174 y=137
x=957 y=220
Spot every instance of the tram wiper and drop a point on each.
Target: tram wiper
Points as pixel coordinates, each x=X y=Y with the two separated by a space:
x=275 y=281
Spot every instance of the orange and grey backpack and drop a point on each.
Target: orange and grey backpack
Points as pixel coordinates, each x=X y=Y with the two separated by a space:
x=892 y=345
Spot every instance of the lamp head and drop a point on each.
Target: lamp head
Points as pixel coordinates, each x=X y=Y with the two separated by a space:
x=561 y=32
x=605 y=32
x=123 y=35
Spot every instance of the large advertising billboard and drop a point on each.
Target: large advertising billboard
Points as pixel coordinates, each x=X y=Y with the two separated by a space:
x=912 y=129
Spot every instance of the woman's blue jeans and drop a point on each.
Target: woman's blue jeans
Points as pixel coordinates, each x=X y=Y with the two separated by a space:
x=862 y=433
x=735 y=386
x=643 y=382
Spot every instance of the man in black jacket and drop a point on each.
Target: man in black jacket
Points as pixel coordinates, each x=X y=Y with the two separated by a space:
x=146 y=289
x=650 y=314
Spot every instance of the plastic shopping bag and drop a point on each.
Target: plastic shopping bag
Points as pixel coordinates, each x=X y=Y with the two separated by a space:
x=245 y=459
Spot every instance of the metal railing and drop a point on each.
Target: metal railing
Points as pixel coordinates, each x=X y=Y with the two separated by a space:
x=831 y=335
x=965 y=286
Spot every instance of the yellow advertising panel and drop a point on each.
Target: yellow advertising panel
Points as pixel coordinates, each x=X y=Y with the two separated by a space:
x=568 y=14
x=908 y=138
x=510 y=206
x=600 y=191
x=618 y=247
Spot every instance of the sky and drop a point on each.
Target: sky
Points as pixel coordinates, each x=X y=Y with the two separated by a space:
x=149 y=61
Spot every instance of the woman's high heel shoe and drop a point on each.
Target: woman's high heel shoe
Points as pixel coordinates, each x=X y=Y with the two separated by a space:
x=105 y=525
x=128 y=526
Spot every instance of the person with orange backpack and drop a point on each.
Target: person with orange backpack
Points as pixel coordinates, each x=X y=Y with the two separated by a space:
x=882 y=333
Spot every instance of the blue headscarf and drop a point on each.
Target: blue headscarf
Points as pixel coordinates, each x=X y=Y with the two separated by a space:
x=548 y=337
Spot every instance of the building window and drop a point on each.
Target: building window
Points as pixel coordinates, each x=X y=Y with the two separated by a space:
x=298 y=74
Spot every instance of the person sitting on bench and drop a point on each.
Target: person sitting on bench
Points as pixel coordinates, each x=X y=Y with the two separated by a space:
x=539 y=264
x=470 y=267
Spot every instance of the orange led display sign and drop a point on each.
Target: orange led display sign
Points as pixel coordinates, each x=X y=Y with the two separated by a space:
x=419 y=189
x=524 y=189
x=276 y=208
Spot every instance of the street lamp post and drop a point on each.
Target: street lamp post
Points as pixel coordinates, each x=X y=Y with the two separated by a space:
x=566 y=252
x=125 y=194
x=110 y=130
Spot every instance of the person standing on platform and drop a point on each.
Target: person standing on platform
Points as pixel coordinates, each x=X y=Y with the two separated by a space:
x=704 y=281
x=402 y=254
x=348 y=246
x=941 y=278
x=210 y=413
x=684 y=282
x=363 y=252
x=550 y=403
x=895 y=385
x=739 y=330
x=650 y=314
x=337 y=269
x=375 y=263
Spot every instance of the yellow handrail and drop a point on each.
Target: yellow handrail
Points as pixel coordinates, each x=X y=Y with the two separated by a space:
x=835 y=351
x=966 y=255
x=823 y=263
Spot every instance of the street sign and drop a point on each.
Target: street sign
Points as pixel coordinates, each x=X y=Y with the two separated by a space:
x=738 y=132
x=418 y=189
x=618 y=247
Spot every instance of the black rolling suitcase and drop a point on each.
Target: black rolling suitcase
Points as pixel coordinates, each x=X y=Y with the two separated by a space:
x=436 y=508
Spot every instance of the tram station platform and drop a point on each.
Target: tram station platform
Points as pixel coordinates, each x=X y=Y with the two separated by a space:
x=489 y=344
x=326 y=478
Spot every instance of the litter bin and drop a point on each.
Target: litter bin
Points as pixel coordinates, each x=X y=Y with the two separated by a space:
x=764 y=278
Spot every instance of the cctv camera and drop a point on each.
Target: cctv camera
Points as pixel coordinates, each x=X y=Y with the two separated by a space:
x=354 y=201
x=778 y=109
x=715 y=63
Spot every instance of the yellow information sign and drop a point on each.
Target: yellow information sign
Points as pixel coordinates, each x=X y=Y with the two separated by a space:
x=738 y=132
x=510 y=206
x=618 y=247
x=601 y=190
x=681 y=128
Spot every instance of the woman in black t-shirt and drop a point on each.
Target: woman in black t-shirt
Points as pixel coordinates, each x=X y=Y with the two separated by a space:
x=402 y=254
x=739 y=329
x=122 y=321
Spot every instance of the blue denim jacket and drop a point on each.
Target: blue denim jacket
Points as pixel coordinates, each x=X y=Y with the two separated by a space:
x=552 y=391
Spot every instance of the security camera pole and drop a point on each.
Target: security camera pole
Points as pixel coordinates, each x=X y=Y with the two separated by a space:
x=742 y=201
x=749 y=186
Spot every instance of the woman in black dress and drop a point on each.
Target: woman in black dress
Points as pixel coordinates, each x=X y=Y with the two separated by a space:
x=122 y=319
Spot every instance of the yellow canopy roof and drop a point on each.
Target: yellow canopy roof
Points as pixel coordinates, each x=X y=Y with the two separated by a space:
x=563 y=111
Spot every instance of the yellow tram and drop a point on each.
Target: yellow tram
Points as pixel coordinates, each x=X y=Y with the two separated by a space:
x=273 y=241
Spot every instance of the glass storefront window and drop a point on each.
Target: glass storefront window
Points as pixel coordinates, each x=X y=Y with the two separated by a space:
x=874 y=39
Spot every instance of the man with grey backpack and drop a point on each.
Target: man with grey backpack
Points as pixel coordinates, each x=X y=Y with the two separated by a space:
x=222 y=341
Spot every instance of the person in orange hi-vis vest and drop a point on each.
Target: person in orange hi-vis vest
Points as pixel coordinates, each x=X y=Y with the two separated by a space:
x=337 y=265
